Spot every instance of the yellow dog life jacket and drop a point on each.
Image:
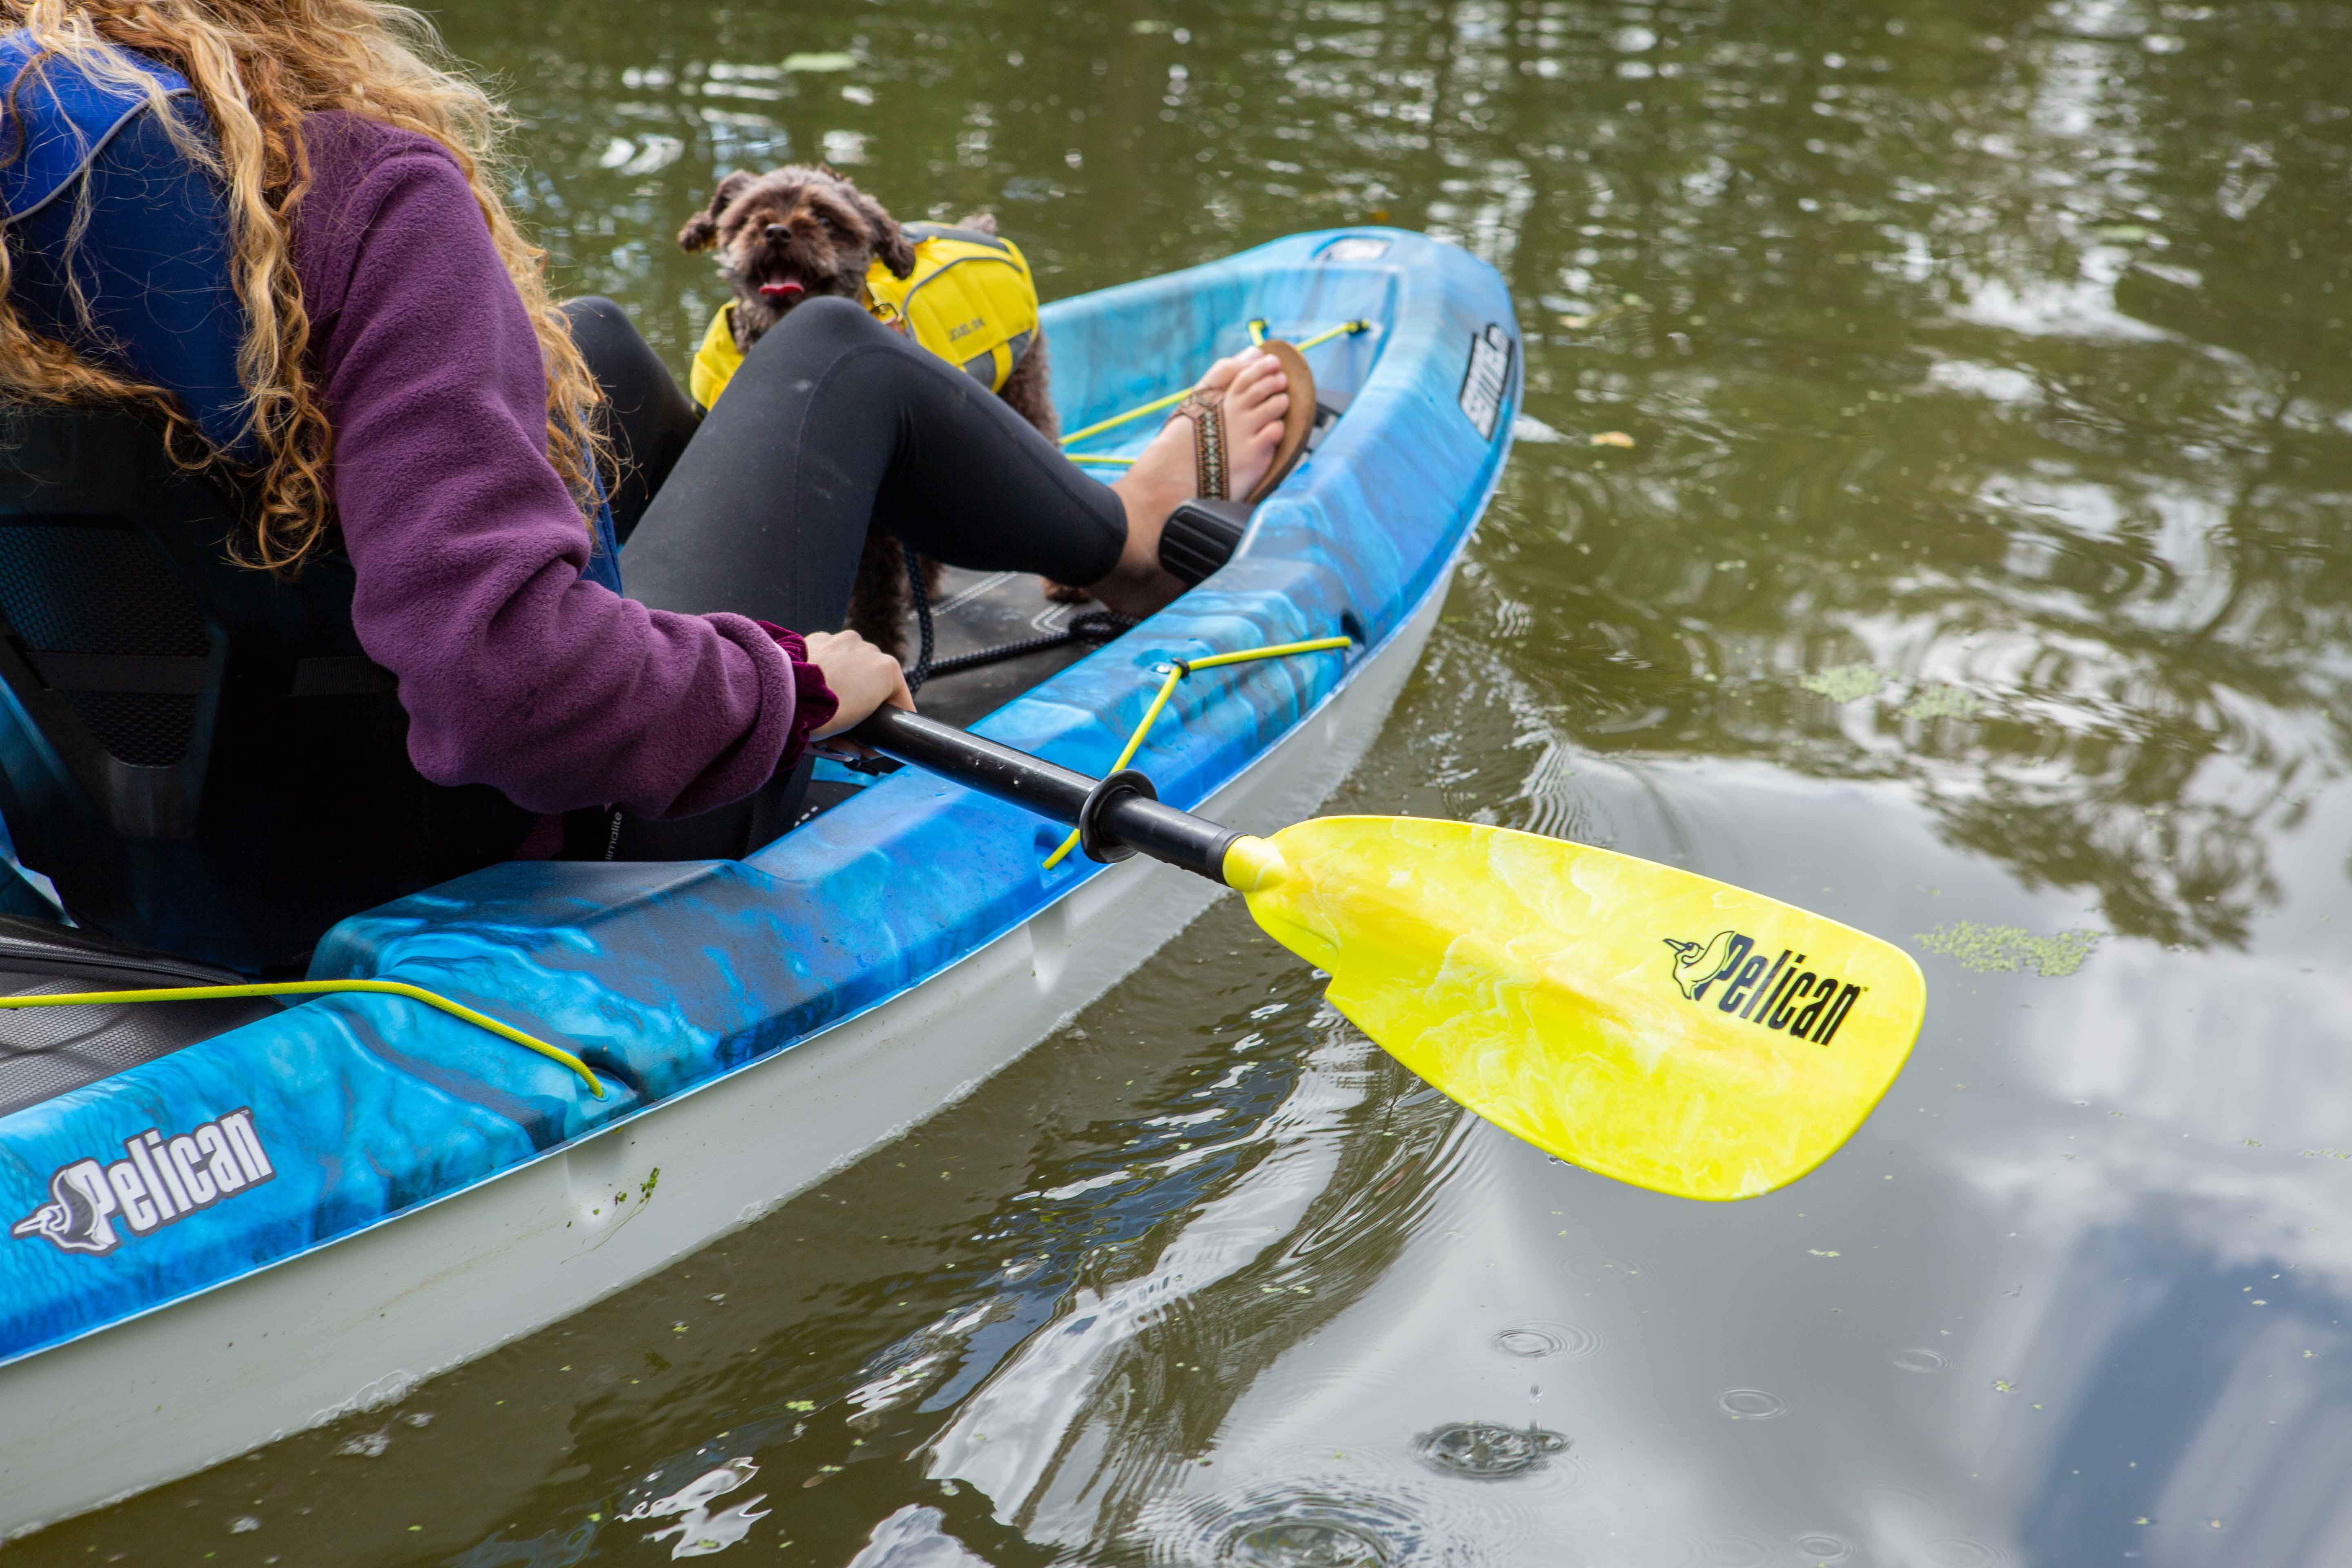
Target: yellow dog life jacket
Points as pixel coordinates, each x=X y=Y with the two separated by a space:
x=969 y=301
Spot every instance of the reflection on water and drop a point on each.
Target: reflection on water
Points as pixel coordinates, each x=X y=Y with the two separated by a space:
x=1932 y=508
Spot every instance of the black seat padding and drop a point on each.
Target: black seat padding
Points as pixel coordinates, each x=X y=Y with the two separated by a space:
x=44 y=1051
x=212 y=766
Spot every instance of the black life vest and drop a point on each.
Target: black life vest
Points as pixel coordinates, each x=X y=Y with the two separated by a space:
x=199 y=756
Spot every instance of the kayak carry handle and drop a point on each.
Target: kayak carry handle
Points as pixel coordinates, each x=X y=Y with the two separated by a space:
x=1116 y=816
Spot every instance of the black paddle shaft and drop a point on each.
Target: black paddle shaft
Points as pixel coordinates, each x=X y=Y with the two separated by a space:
x=1115 y=818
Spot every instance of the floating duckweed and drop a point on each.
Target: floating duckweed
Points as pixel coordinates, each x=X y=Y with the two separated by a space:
x=2005 y=949
x=1846 y=682
x=1941 y=702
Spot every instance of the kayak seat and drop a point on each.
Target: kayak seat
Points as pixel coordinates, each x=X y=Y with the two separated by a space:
x=46 y=1051
x=200 y=757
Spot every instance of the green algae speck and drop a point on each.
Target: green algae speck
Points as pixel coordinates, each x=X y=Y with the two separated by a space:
x=1846 y=682
x=2006 y=948
x=1941 y=702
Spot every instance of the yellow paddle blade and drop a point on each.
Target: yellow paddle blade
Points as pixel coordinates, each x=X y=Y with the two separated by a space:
x=1643 y=1021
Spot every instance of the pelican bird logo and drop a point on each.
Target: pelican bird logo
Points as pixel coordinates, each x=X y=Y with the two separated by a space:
x=1696 y=962
x=75 y=1217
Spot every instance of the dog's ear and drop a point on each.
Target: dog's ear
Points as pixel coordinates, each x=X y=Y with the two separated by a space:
x=898 y=254
x=891 y=245
x=701 y=230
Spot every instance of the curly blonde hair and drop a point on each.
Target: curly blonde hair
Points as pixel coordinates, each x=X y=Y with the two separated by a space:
x=258 y=67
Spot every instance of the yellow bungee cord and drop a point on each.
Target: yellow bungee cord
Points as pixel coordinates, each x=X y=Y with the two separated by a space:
x=1177 y=670
x=1257 y=335
x=1257 y=327
x=316 y=988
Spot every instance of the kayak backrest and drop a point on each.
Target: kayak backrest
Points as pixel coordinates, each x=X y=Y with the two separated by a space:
x=199 y=756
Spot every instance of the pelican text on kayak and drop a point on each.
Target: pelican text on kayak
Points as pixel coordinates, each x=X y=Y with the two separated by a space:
x=159 y=1179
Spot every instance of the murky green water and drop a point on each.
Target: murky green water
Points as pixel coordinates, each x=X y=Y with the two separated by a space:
x=1977 y=572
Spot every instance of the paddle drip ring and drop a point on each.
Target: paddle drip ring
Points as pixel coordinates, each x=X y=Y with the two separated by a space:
x=1099 y=843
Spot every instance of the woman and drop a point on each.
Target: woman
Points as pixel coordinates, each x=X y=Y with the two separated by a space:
x=410 y=395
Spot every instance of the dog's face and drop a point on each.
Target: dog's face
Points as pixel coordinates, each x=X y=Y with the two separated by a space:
x=790 y=235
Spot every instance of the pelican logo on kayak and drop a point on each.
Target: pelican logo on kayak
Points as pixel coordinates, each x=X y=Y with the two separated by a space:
x=1779 y=993
x=158 y=1181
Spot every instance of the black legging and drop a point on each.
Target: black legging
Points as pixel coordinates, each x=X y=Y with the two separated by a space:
x=832 y=425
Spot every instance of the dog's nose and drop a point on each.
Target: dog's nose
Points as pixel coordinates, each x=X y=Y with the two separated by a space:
x=777 y=233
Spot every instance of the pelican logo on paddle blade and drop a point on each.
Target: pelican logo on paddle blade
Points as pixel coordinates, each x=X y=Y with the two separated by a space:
x=1697 y=963
x=1778 y=994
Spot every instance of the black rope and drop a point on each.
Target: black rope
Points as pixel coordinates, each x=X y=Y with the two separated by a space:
x=1093 y=626
x=922 y=671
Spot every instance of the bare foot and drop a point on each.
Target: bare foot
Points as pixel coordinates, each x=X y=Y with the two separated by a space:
x=1256 y=398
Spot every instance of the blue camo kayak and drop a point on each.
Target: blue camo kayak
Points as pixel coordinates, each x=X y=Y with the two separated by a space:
x=327 y=1203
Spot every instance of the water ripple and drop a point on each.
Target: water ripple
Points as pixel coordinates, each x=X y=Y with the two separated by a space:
x=1547 y=1338
x=1751 y=1405
x=1485 y=1451
x=1309 y=1527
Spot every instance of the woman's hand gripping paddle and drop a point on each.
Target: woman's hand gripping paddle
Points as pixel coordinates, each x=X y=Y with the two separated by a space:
x=1643 y=1021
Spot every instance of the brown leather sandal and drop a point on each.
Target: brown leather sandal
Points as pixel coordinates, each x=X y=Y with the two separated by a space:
x=1296 y=421
x=1211 y=477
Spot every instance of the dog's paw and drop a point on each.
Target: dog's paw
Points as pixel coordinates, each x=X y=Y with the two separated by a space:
x=1063 y=593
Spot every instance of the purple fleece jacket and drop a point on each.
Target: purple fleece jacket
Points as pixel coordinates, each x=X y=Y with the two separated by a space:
x=468 y=550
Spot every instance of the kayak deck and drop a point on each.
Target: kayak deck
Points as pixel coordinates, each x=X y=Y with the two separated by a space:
x=978 y=611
